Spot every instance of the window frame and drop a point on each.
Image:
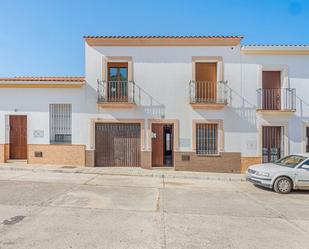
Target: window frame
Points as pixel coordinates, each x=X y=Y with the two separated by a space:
x=220 y=135
x=53 y=131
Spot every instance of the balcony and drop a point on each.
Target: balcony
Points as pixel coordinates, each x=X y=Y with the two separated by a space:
x=276 y=100
x=116 y=94
x=208 y=95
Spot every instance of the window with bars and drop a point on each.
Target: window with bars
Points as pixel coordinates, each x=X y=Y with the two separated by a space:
x=206 y=139
x=60 y=123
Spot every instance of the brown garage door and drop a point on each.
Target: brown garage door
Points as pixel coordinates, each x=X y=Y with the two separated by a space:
x=118 y=145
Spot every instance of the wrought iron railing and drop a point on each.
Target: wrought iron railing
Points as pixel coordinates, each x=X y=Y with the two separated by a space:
x=116 y=91
x=208 y=92
x=276 y=99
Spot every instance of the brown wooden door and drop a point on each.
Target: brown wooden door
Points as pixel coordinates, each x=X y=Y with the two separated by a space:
x=18 y=137
x=157 y=145
x=206 y=82
x=271 y=90
x=117 y=145
x=272 y=143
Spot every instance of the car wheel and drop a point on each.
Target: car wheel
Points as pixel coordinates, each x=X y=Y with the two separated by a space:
x=283 y=185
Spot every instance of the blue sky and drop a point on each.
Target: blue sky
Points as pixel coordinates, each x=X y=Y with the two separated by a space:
x=44 y=37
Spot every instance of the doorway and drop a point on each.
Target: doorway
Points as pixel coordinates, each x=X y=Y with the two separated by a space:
x=117 y=88
x=18 y=137
x=272 y=141
x=271 y=90
x=118 y=144
x=206 y=82
x=162 y=145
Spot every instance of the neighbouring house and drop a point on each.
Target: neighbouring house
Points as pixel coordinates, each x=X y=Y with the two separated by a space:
x=198 y=103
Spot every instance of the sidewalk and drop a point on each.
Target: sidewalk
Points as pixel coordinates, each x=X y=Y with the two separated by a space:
x=124 y=171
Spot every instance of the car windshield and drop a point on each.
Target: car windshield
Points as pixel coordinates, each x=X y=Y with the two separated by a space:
x=290 y=161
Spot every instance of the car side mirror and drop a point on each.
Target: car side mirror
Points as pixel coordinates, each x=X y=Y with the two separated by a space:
x=305 y=167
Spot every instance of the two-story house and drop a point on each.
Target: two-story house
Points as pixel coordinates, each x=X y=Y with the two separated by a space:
x=200 y=103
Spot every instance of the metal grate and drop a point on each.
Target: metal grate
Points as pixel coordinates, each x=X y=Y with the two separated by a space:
x=272 y=141
x=116 y=91
x=208 y=92
x=206 y=139
x=276 y=99
x=60 y=123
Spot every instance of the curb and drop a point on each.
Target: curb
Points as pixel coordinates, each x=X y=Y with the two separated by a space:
x=182 y=175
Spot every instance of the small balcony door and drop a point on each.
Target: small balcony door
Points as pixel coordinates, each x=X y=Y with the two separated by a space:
x=206 y=82
x=271 y=90
x=117 y=85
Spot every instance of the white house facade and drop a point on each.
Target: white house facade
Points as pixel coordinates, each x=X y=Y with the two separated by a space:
x=198 y=103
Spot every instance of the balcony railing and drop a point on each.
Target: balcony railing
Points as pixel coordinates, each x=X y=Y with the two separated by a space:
x=206 y=92
x=116 y=92
x=281 y=99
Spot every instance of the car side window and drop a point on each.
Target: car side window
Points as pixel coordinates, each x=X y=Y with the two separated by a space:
x=306 y=164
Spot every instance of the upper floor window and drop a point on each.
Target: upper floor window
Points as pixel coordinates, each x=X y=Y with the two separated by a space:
x=117 y=71
x=117 y=84
x=206 y=139
x=60 y=123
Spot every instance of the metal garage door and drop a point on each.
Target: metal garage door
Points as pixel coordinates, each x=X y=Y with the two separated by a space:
x=117 y=145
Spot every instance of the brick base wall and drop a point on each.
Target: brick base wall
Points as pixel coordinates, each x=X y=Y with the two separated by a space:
x=247 y=161
x=226 y=162
x=57 y=154
x=4 y=153
x=2 y=157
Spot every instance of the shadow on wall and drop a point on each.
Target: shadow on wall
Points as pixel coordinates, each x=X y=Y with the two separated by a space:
x=146 y=105
x=242 y=117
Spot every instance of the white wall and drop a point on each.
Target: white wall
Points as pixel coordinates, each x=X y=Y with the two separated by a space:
x=298 y=77
x=34 y=102
x=164 y=73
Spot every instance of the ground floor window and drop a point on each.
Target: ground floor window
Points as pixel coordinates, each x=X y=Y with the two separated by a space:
x=60 y=123
x=206 y=139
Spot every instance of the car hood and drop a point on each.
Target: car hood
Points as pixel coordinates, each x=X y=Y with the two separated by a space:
x=269 y=167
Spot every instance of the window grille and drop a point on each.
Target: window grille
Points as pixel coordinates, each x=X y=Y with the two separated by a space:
x=206 y=139
x=60 y=123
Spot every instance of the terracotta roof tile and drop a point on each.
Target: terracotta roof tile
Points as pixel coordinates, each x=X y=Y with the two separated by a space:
x=70 y=79
x=276 y=45
x=160 y=36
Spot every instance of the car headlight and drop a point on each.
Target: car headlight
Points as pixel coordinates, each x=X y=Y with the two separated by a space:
x=262 y=174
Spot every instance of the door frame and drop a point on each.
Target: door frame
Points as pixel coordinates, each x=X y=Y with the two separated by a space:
x=119 y=123
x=284 y=82
x=94 y=121
x=286 y=145
x=9 y=135
x=175 y=135
x=208 y=59
x=304 y=140
x=117 y=65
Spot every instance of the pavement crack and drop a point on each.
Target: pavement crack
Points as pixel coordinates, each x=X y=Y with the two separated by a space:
x=162 y=213
x=278 y=214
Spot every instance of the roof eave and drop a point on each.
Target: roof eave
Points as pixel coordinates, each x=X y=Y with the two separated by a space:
x=163 y=41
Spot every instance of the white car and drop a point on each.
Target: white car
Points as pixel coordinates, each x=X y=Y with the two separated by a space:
x=291 y=172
